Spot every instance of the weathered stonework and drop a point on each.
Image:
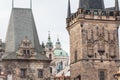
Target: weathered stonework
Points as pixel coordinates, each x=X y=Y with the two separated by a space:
x=93 y=44
x=28 y=60
x=13 y=67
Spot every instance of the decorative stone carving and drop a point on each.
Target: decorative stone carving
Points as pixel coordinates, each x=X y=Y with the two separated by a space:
x=112 y=49
x=25 y=49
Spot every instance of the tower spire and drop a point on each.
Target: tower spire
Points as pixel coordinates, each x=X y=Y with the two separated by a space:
x=49 y=38
x=31 y=4
x=57 y=38
x=116 y=5
x=69 y=9
x=80 y=5
x=12 y=3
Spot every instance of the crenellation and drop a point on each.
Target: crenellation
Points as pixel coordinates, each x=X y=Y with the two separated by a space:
x=93 y=14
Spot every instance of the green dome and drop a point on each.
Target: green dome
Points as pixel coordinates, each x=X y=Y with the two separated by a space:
x=60 y=53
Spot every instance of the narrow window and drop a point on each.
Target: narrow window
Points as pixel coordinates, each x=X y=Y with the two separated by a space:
x=61 y=65
x=50 y=70
x=75 y=56
x=40 y=73
x=0 y=71
x=101 y=75
x=95 y=55
x=28 y=52
x=23 y=73
x=24 y=52
x=50 y=56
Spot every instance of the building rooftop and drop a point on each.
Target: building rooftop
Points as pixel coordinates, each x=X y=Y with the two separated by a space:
x=21 y=24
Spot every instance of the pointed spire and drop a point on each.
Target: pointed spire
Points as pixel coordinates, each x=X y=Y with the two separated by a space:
x=49 y=38
x=31 y=4
x=57 y=38
x=116 y=5
x=80 y=5
x=12 y=3
x=69 y=9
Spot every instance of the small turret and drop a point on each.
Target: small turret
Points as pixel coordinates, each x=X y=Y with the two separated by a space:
x=58 y=44
x=49 y=44
x=69 y=10
x=43 y=45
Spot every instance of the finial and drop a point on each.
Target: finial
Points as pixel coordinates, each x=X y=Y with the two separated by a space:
x=12 y=3
x=31 y=4
x=69 y=9
x=49 y=36
x=116 y=5
x=58 y=38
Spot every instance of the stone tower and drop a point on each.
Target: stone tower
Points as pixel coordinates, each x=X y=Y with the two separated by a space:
x=23 y=58
x=94 y=48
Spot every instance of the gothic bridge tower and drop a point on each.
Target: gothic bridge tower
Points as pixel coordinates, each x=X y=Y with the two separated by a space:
x=94 y=48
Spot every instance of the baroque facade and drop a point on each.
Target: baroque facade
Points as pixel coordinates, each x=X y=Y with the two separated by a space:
x=23 y=58
x=94 y=48
x=59 y=57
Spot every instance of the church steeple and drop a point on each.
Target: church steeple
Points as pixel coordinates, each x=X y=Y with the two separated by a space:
x=69 y=9
x=116 y=5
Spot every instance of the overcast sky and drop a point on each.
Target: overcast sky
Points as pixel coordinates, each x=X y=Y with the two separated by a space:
x=49 y=15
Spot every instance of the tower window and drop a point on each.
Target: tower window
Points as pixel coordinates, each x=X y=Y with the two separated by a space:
x=95 y=55
x=60 y=53
x=102 y=75
x=50 y=70
x=40 y=73
x=24 y=51
x=75 y=56
x=28 y=52
x=23 y=73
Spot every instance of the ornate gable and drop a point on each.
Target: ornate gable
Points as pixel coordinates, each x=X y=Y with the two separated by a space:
x=26 y=49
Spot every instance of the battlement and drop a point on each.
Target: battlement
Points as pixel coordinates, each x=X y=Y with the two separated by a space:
x=94 y=14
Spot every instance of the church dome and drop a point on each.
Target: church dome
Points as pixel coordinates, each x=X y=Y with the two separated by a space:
x=60 y=53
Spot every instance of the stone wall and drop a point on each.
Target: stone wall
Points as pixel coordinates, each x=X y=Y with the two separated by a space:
x=13 y=67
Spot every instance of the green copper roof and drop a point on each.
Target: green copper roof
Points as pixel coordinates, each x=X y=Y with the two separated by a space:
x=60 y=53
